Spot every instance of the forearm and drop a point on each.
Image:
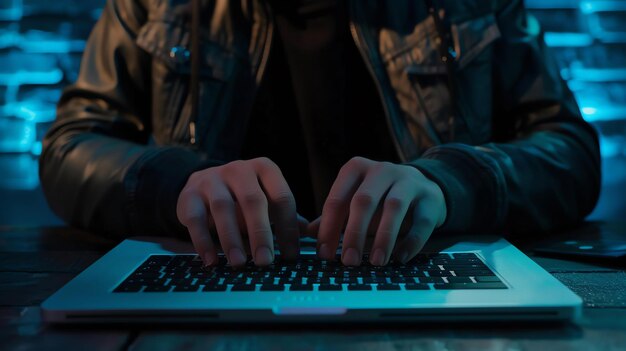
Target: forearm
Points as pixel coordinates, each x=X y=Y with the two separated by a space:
x=115 y=187
x=546 y=180
x=541 y=168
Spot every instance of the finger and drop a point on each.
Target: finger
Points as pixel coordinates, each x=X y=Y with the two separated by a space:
x=212 y=229
x=224 y=212
x=313 y=227
x=282 y=209
x=303 y=224
x=362 y=208
x=422 y=226
x=192 y=213
x=371 y=230
x=254 y=205
x=394 y=210
x=337 y=206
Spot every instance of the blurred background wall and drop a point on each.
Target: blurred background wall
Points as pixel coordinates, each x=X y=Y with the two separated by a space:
x=41 y=42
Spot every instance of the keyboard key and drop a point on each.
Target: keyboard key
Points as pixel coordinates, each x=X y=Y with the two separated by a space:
x=412 y=273
x=436 y=280
x=209 y=281
x=359 y=287
x=346 y=280
x=181 y=281
x=374 y=280
x=416 y=286
x=290 y=280
x=199 y=273
x=459 y=280
x=175 y=275
x=487 y=279
x=383 y=274
x=387 y=287
x=301 y=287
x=330 y=287
x=306 y=274
x=472 y=272
x=157 y=288
x=455 y=286
x=243 y=287
x=318 y=280
x=264 y=280
x=439 y=273
x=477 y=266
x=272 y=287
x=280 y=274
x=186 y=288
x=235 y=280
x=214 y=288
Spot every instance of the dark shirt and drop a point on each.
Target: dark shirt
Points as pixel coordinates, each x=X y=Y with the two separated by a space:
x=318 y=93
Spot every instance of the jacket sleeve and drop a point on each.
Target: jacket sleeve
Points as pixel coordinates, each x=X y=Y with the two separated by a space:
x=97 y=170
x=542 y=172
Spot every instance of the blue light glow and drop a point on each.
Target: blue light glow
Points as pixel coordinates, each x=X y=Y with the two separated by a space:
x=40 y=46
x=588 y=111
x=568 y=39
x=11 y=10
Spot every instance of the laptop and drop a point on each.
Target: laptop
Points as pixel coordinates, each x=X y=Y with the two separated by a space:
x=162 y=280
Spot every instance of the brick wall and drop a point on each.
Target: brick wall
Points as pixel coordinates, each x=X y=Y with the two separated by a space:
x=588 y=39
x=41 y=44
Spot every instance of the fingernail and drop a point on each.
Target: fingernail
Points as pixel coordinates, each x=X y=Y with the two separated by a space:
x=236 y=257
x=325 y=252
x=263 y=256
x=209 y=259
x=378 y=258
x=351 y=257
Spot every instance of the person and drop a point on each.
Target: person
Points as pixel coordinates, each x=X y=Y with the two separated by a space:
x=390 y=120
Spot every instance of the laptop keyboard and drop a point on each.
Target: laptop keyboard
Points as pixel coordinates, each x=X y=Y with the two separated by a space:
x=185 y=273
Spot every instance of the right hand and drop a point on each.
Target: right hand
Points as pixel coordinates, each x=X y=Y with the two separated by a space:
x=241 y=196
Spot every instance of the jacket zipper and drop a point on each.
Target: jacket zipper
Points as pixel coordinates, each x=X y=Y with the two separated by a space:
x=363 y=48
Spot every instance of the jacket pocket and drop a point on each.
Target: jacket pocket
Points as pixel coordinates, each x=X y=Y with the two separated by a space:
x=420 y=77
x=168 y=43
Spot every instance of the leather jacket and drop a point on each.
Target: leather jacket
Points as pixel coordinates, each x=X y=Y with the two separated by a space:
x=494 y=125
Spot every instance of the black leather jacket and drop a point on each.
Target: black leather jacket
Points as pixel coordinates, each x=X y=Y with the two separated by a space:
x=508 y=146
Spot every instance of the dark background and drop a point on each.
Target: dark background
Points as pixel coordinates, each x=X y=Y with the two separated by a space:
x=41 y=43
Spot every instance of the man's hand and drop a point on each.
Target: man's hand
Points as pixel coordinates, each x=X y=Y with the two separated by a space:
x=240 y=194
x=367 y=191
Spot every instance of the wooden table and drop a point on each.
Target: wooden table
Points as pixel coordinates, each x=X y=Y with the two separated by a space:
x=35 y=262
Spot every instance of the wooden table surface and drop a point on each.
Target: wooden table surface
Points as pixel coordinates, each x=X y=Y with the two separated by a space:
x=35 y=262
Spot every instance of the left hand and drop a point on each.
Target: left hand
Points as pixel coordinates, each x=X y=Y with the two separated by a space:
x=366 y=191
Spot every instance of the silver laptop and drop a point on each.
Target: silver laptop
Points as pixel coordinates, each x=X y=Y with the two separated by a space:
x=161 y=280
